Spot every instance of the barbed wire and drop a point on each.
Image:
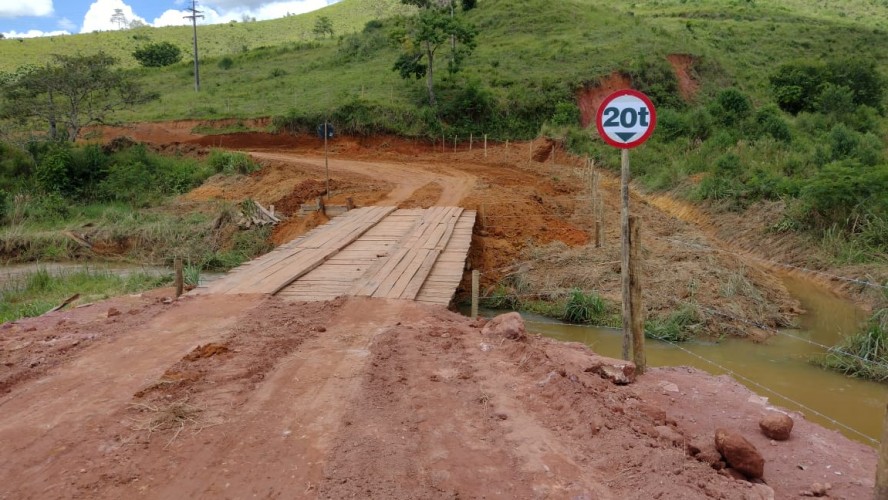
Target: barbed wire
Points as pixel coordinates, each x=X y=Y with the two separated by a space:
x=772 y=391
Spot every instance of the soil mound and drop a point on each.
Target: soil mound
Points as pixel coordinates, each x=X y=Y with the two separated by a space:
x=589 y=99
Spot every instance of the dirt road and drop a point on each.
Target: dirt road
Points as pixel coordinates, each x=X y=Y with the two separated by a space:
x=231 y=398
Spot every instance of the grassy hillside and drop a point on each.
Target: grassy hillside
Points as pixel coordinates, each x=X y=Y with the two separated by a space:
x=215 y=40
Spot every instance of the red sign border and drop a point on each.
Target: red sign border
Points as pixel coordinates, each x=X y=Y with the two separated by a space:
x=637 y=142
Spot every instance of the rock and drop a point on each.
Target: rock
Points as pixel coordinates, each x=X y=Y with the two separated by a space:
x=509 y=325
x=817 y=490
x=670 y=435
x=761 y=492
x=113 y=311
x=739 y=453
x=616 y=370
x=669 y=387
x=776 y=426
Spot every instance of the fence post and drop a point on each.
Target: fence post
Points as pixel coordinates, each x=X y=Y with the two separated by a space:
x=485 y=145
x=476 y=291
x=881 y=491
x=180 y=276
x=471 y=139
x=530 y=153
x=637 y=314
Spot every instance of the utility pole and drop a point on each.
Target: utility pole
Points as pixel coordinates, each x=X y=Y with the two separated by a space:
x=195 y=14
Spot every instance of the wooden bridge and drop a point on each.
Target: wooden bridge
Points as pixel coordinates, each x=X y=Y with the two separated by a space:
x=413 y=254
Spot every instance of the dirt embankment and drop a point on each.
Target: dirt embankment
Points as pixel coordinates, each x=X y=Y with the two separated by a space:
x=242 y=396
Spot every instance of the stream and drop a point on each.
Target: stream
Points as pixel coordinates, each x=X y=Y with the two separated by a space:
x=781 y=364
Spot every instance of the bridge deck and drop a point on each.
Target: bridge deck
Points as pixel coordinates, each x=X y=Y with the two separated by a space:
x=411 y=254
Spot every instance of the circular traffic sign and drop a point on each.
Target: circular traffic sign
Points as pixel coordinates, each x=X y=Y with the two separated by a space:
x=626 y=119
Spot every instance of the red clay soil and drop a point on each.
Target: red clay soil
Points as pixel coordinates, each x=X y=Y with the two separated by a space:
x=237 y=397
x=589 y=99
x=683 y=65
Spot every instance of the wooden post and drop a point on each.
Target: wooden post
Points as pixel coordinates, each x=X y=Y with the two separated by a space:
x=638 y=354
x=454 y=144
x=553 y=155
x=326 y=163
x=598 y=209
x=321 y=207
x=881 y=491
x=471 y=138
x=624 y=239
x=271 y=210
x=485 y=145
x=180 y=276
x=530 y=152
x=349 y=204
x=476 y=289
x=482 y=216
x=443 y=143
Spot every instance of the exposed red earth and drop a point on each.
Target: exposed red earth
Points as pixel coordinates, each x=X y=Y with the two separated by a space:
x=234 y=397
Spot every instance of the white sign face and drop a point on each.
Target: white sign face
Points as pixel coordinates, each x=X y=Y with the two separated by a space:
x=626 y=119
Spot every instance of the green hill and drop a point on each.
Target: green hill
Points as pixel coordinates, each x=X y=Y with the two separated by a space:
x=728 y=144
x=215 y=40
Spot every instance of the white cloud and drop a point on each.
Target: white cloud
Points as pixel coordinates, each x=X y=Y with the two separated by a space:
x=66 y=24
x=33 y=34
x=17 y=8
x=98 y=17
x=216 y=12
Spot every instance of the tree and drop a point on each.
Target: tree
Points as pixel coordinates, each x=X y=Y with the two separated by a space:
x=157 y=55
x=120 y=18
x=137 y=23
x=422 y=35
x=323 y=25
x=70 y=93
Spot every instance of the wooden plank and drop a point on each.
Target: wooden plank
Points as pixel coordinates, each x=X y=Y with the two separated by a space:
x=412 y=289
x=419 y=257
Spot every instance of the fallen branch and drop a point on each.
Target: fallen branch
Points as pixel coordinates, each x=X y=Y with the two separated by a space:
x=65 y=303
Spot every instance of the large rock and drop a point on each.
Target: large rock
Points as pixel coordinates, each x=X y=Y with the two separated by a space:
x=509 y=325
x=740 y=454
x=616 y=370
x=776 y=426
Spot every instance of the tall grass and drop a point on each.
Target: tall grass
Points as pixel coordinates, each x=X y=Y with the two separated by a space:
x=865 y=354
x=40 y=290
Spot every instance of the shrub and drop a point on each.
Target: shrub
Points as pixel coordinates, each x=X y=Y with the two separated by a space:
x=159 y=54
x=226 y=63
x=861 y=76
x=797 y=86
x=732 y=107
x=656 y=78
x=52 y=171
x=843 y=191
x=770 y=122
x=584 y=308
x=231 y=162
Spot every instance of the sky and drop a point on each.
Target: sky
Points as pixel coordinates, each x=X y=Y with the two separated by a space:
x=29 y=18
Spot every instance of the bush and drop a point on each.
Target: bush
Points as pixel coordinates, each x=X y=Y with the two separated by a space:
x=226 y=63
x=844 y=191
x=656 y=78
x=732 y=107
x=770 y=122
x=861 y=77
x=797 y=86
x=677 y=327
x=52 y=171
x=157 y=55
x=230 y=162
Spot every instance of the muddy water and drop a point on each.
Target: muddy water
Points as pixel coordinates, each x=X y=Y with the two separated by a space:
x=781 y=364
